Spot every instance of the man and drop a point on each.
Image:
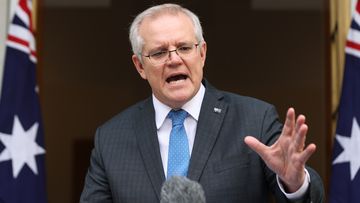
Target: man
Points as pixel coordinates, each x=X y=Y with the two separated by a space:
x=134 y=153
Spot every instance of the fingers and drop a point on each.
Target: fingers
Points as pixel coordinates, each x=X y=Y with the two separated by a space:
x=255 y=145
x=308 y=151
x=289 y=122
x=291 y=141
x=299 y=121
x=291 y=126
x=300 y=137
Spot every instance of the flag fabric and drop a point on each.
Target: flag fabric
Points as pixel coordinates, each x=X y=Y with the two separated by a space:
x=345 y=175
x=22 y=153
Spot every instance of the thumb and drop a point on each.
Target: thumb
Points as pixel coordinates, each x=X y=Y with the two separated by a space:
x=255 y=145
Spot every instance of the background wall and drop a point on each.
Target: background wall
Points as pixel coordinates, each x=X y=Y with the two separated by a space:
x=277 y=54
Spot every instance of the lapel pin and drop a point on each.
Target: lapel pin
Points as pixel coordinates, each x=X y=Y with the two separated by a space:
x=217 y=110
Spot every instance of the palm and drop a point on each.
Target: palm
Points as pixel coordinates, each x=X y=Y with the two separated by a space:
x=287 y=156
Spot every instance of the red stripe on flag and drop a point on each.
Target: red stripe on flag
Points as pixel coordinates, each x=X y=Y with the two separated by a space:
x=23 y=43
x=358 y=7
x=18 y=40
x=353 y=45
x=33 y=53
x=23 y=5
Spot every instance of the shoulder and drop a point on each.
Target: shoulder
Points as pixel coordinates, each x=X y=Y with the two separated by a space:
x=126 y=118
x=247 y=114
x=234 y=100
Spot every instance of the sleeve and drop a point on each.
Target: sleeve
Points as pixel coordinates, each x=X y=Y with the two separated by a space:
x=271 y=129
x=300 y=193
x=96 y=186
x=314 y=192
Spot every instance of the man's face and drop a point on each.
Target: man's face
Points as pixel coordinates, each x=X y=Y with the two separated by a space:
x=177 y=80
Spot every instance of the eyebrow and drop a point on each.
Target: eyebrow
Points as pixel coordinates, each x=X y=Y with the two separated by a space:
x=166 y=46
x=156 y=49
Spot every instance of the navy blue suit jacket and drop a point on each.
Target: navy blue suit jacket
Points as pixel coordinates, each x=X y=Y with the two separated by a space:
x=126 y=163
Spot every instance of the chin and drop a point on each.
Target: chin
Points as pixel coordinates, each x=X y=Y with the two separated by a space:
x=179 y=101
x=171 y=99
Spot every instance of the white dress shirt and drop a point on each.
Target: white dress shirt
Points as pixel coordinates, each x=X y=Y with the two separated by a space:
x=192 y=107
x=163 y=123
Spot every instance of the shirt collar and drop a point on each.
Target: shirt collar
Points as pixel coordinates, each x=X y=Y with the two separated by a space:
x=192 y=107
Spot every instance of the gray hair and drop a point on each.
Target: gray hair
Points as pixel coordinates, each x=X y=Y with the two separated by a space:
x=179 y=189
x=137 y=41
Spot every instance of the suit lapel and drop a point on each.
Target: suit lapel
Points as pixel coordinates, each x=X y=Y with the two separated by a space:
x=212 y=114
x=149 y=145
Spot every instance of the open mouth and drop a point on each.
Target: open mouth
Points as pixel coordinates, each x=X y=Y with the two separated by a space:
x=176 y=78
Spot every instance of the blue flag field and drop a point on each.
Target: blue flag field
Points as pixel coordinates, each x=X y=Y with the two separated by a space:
x=22 y=151
x=345 y=178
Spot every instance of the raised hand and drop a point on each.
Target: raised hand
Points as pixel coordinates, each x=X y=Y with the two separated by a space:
x=288 y=155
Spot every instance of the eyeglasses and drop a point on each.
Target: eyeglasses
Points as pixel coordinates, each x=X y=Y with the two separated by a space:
x=161 y=57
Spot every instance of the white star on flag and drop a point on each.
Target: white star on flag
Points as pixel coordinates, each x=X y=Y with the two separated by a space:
x=351 y=146
x=21 y=147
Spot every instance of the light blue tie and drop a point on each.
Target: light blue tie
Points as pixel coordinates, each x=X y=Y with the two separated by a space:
x=178 y=156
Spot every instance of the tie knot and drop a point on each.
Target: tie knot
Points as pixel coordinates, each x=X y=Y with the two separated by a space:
x=177 y=116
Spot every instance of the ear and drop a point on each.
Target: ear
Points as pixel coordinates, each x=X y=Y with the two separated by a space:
x=139 y=66
x=203 y=49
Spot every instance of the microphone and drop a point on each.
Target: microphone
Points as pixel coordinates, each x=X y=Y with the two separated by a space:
x=179 y=189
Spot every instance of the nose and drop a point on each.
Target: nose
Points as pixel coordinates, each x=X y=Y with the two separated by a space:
x=174 y=56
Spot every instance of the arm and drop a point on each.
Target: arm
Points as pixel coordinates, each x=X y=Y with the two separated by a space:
x=96 y=187
x=288 y=155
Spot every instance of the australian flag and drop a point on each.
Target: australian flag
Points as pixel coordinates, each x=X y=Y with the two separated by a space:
x=22 y=153
x=345 y=178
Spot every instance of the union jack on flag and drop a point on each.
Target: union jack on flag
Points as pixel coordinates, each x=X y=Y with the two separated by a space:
x=22 y=160
x=345 y=178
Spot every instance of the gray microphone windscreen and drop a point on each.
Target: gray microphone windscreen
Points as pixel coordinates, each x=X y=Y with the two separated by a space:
x=179 y=189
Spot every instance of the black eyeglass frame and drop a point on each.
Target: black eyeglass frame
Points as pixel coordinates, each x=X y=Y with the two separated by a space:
x=169 y=51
